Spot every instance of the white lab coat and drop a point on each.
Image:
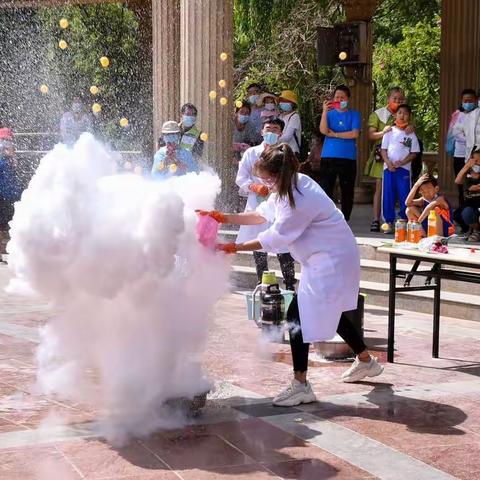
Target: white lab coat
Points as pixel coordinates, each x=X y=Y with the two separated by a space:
x=318 y=237
x=245 y=178
x=470 y=127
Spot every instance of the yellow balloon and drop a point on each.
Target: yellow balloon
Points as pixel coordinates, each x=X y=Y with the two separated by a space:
x=223 y=101
x=96 y=108
x=239 y=104
x=44 y=89
x=203 y=137
x=222 y=83
x=63 y=44
x=223 y=56
x=63 y=23
x=173 y=168
x=94 y=89
x=342 y=56
x=212 y=95
x=104 y=62
x=123 y=122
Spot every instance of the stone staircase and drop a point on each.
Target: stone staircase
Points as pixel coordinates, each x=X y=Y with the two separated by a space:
x=459 y=299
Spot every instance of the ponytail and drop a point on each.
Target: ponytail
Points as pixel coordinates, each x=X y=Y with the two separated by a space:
x=280 y=162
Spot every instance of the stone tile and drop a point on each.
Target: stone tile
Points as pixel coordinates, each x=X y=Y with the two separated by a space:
x=242 y=472
x=195 y=450
x=265 y=409
x=35 y=464
x=97 y=460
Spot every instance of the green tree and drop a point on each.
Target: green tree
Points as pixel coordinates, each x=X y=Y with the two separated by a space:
x=413 y=63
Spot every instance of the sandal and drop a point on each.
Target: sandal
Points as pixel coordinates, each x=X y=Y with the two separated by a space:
x=375 y=226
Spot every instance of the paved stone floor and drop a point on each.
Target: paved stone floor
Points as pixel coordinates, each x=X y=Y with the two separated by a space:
x=419 y=420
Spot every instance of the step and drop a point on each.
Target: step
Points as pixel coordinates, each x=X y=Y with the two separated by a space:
x=456 y=305
x=371 y=271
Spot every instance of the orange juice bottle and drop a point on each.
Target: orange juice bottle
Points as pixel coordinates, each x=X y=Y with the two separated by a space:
x=432 y=224
x=400 y=231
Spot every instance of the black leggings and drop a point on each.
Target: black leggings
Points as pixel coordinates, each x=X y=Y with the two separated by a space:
x=287 y=266
x=458 y=164
x=345 y=329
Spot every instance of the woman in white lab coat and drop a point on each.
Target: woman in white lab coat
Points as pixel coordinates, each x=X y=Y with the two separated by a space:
x=315 y=232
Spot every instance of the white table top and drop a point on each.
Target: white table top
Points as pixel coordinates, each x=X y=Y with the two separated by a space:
x=455 y=254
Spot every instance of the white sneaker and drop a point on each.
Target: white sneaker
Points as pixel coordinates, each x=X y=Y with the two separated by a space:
x=360 y=370
x=295 y=394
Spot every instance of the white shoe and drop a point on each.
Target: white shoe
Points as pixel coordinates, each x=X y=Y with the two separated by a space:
x=360 y=370
x=295 y=394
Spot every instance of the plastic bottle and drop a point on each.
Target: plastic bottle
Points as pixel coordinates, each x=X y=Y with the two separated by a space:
x=432 y=224
x=400 y=231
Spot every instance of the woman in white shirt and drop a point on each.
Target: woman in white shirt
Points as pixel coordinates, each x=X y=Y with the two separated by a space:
x=307 y=223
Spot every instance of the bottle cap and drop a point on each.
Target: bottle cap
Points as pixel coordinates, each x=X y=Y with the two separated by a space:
x=269 y=278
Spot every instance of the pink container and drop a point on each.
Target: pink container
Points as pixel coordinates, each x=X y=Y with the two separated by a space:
x=207 y=230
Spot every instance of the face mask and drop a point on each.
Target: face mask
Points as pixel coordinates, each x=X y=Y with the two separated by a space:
x=393 y=106
x=252 y=99
x=344 y=104
x=285 y=107
x=476 y=168
x=270 y=106
x=243 y=118
x=171 y=138
x=468 y=107
x=271 y=138
x=189 y=120
x=76 y=107
x=402 y=125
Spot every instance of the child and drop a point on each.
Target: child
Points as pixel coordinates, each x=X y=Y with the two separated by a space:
x=398 y=150
x=430 y=199
x=469 y=177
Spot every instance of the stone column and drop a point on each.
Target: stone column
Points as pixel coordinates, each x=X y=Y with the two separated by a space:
x=166 y=62
x=361 y=87
x=459 y=69
x=206 y=32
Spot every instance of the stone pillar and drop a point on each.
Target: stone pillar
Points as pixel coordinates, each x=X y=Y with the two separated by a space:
x=206 y=32
x=361 y=87
x=166 y=62
x=459 y=69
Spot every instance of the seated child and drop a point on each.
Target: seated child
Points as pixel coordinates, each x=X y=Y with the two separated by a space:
x=468 y=214
x=430 y=199
x=398 y=149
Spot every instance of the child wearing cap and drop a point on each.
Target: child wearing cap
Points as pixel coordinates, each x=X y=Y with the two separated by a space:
x=430 y=199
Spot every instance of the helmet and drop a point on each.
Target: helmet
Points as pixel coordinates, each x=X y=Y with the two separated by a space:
x=170 y=127
x=289 y=95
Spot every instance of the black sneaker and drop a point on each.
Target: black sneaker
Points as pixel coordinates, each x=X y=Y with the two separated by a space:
x=375 y=226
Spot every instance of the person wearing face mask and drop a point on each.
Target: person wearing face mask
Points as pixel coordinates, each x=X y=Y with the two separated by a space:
x=190 y=132
x=470 y=128
x=456 y=144
x=341 y=127
x=267 y=102
x=253 y=94
x=74 y=123
x=379 y=123
x=292 y=133
x=244 y=132
x=398 y=150
x=468 y=214
x=257 y=192
x=172 y=159
x=304 y=220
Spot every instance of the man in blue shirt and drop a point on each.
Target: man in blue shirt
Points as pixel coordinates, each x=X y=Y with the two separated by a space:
x=171 y=159
x=341 y=127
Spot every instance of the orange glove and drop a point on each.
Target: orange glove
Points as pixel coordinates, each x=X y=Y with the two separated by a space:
x=218 y=216
x=259 y=189
x=229 y=248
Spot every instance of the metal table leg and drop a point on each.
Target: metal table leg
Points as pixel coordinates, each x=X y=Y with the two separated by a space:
x=436 y=313
x=391 y=308
x=409 y=277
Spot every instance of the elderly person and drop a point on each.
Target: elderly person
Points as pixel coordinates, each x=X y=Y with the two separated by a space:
x=456 y=141
x=172 y=159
